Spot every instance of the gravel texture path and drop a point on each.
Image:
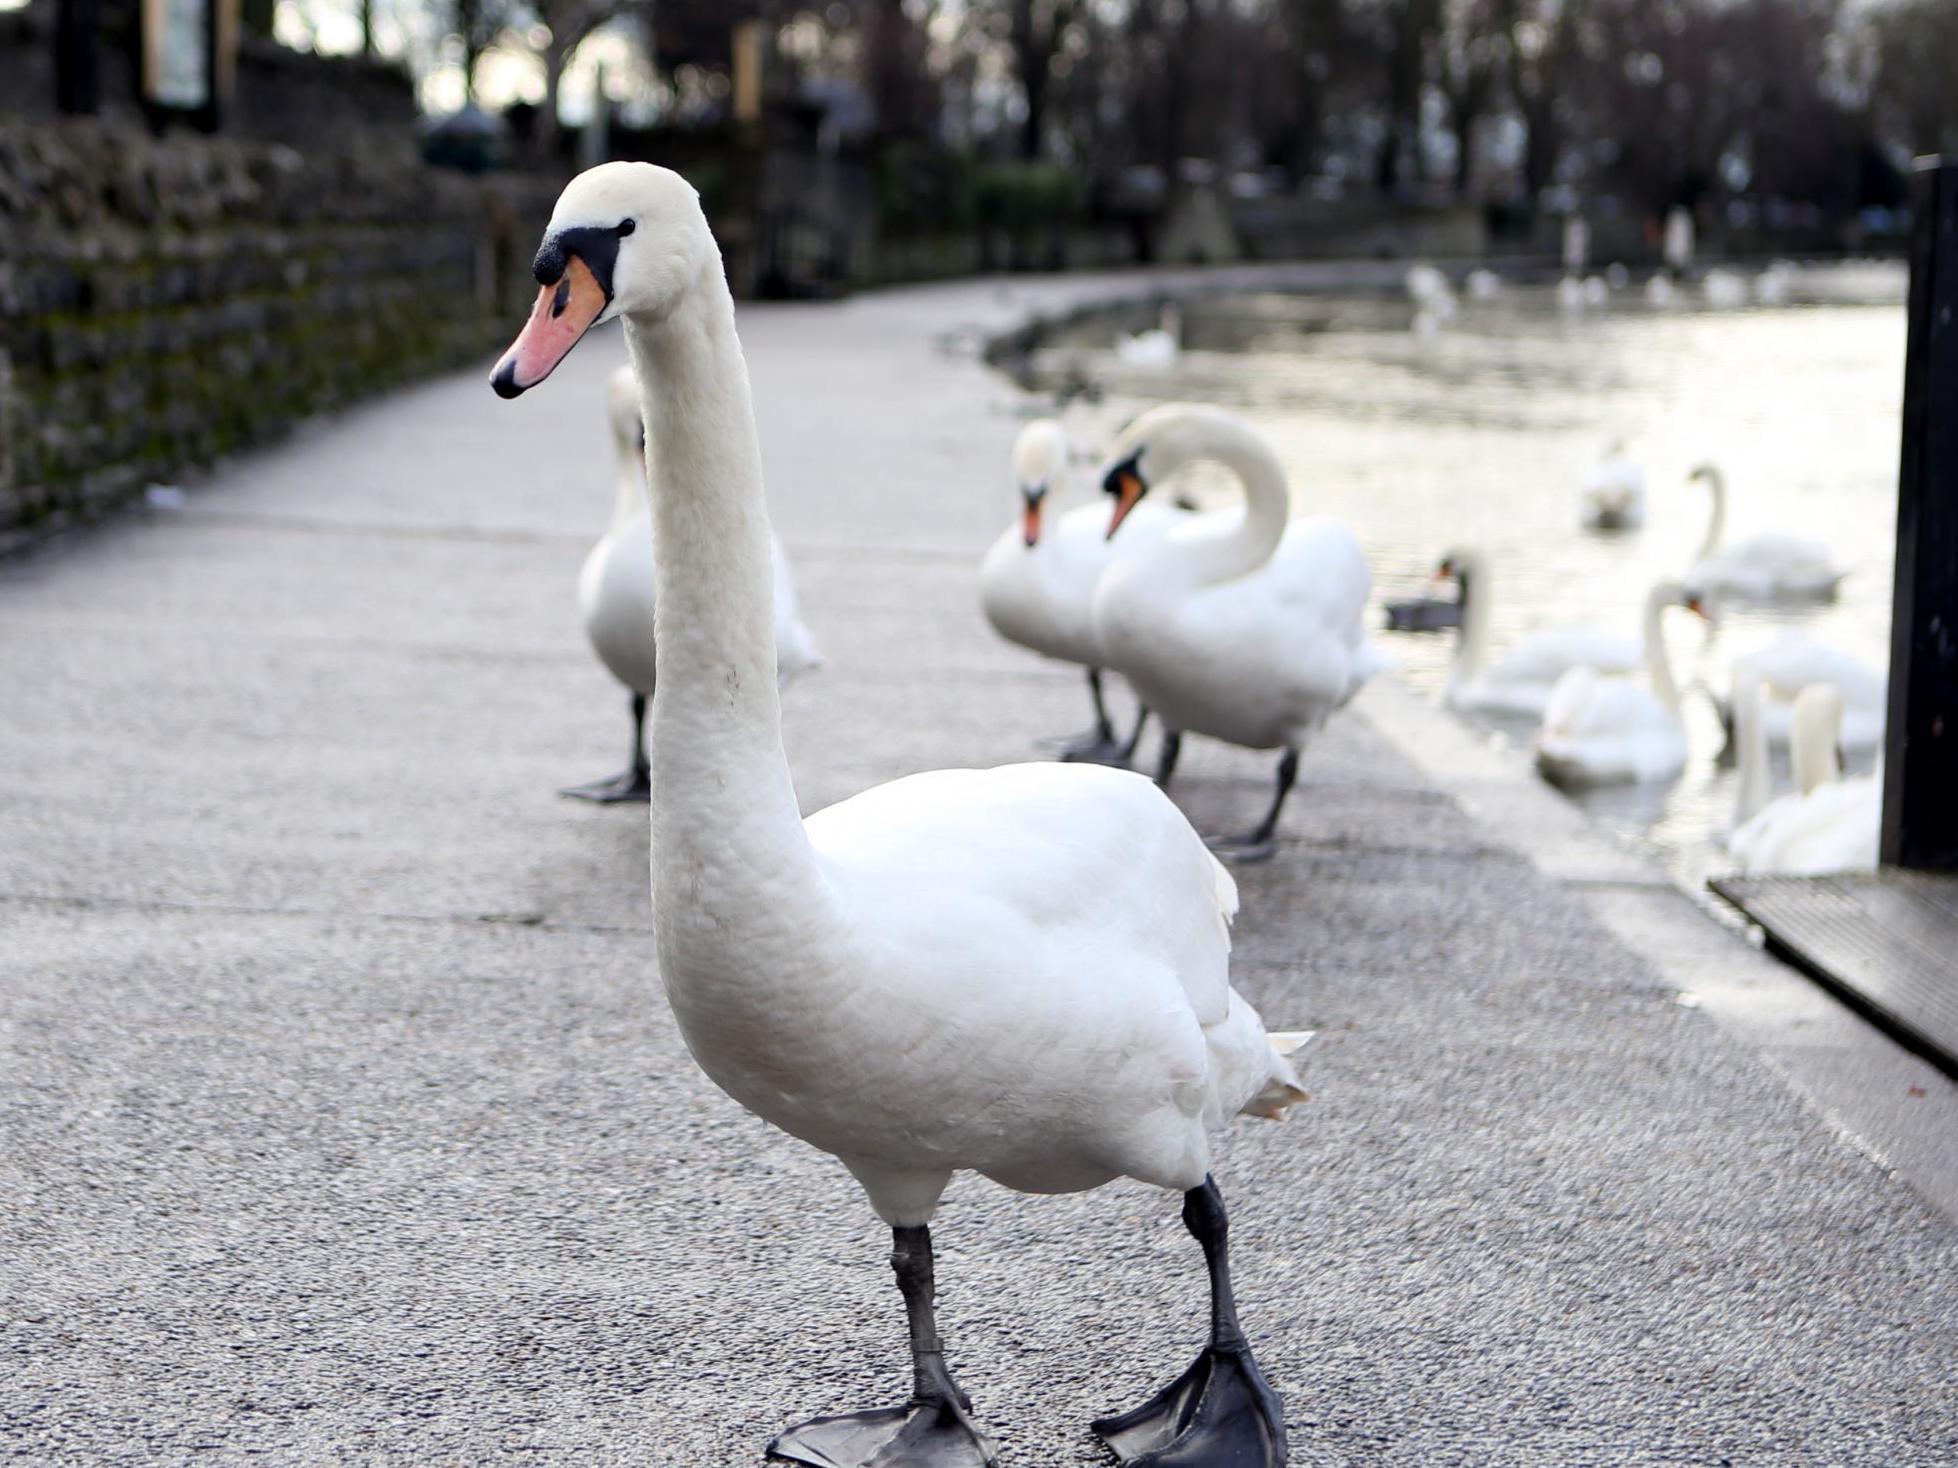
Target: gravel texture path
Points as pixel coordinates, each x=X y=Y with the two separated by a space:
x=341 y=1119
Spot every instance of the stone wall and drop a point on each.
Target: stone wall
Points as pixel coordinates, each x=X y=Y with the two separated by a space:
x=165 y=302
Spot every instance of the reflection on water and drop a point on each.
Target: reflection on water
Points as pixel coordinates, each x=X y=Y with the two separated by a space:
x=1480 y=432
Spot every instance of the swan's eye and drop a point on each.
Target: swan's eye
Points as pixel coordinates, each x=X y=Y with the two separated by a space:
x=627 y=226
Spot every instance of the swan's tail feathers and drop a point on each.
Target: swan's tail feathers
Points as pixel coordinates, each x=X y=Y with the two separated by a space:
x=1281 y=1088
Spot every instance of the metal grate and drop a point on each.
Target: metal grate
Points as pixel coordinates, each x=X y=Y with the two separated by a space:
x=1888 y=940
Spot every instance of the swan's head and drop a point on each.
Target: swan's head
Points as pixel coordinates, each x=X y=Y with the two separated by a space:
x=1704 y=474
x=622 y=407
x=1459 y=565
x=625 y=238
x=1676 y=594
x=1160 y=442
x=1039 y=463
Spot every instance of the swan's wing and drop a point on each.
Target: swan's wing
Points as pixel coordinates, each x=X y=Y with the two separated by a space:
x=1310 y=601
x=1086 y=855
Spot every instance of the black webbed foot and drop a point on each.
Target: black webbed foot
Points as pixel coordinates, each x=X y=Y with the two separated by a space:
x=921 y=1435
x=1219 y=1414
x=629 y=785
x=1095 y=748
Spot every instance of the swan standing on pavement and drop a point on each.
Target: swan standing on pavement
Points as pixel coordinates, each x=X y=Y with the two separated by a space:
x=1771 y=567
x=1613 y=494
x=1021 y=971
x=1606 y=730
x=1827 y=824
x=1520 y=681
x=1037 y=583
x=1237 y=624
x=1788 y=665
x=615 y=595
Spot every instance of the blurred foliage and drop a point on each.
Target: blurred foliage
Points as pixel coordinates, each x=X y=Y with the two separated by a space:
x=1018 y=195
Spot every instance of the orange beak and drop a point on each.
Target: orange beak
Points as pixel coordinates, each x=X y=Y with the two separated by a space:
x=1129 y=490
x=564 y=312
x=1030 y=519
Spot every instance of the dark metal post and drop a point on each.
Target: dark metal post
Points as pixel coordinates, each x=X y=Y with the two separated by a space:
x=77 y=56
x=1920 y=780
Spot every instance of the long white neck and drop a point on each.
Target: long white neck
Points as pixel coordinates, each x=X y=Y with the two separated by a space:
x=1472 y=651
x=629 y=481
x=735 y=882
x=1227 y=545
x=1716 y=520
x=1751 y=740
x=1812 y=740
x=1658 y=666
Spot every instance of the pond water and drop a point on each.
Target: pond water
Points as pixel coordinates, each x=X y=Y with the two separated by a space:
x=1480 y=432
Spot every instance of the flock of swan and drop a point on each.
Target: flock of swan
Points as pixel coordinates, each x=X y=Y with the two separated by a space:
x=1023 y=971
x=1609 y=709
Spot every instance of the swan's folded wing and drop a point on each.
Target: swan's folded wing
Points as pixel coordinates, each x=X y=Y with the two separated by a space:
x=1098 y=854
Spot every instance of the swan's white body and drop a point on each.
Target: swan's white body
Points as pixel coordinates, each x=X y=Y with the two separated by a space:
x=1827 y=824
x=1483 y=285
x=1041 y=596
x=1612 y=496
x=1521 y=680
x=1787 y=666
x=1021 y=971
x=1236 y=624
x=1659 y=290
x=1770 y=567
x=1156 y=349
x=1611 y=730
x=615 y=585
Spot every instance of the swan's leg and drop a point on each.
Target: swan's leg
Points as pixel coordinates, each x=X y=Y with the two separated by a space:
x=1172 y=746
x=1259 y=845
x=1221 y=1411
x=934 y=1429
x=1135 y=734
x=1098 y=746
x=635 y=782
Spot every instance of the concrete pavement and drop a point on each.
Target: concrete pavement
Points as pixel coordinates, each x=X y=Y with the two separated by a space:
x=341 y=1119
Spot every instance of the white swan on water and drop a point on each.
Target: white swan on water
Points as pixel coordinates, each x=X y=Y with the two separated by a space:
x=1037 y=583
x=1769 y=567
x=1021 y=971
x=1521 y=680
x=1827 y=824
x=1612 y=496
x=1788 y=665
x=1242 y=624
x=1605 y=730
x=1156 y=349
x=615 y=594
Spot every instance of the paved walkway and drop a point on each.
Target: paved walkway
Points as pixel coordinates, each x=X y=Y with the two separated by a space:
x=341 y=1119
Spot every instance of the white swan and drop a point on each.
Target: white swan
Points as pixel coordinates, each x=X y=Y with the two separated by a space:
x=1788 y=665
x=1770 y=567
x=1237 y=624
x=1020 y=971
x=1157 y=348
x=1521 y=680
x=1724 y=289
x=1604 y=730
x=1483 y=285
x=1612 y=496
x=1037 y=583
x=1827 y=824
x=1659 y=290
x=615 y=594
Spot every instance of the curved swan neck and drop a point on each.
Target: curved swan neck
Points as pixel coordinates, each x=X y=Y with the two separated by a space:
x=1233 y=544
x=1658 y=665
x=730 y=857
x=1716 y=520
x=1751 y=740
